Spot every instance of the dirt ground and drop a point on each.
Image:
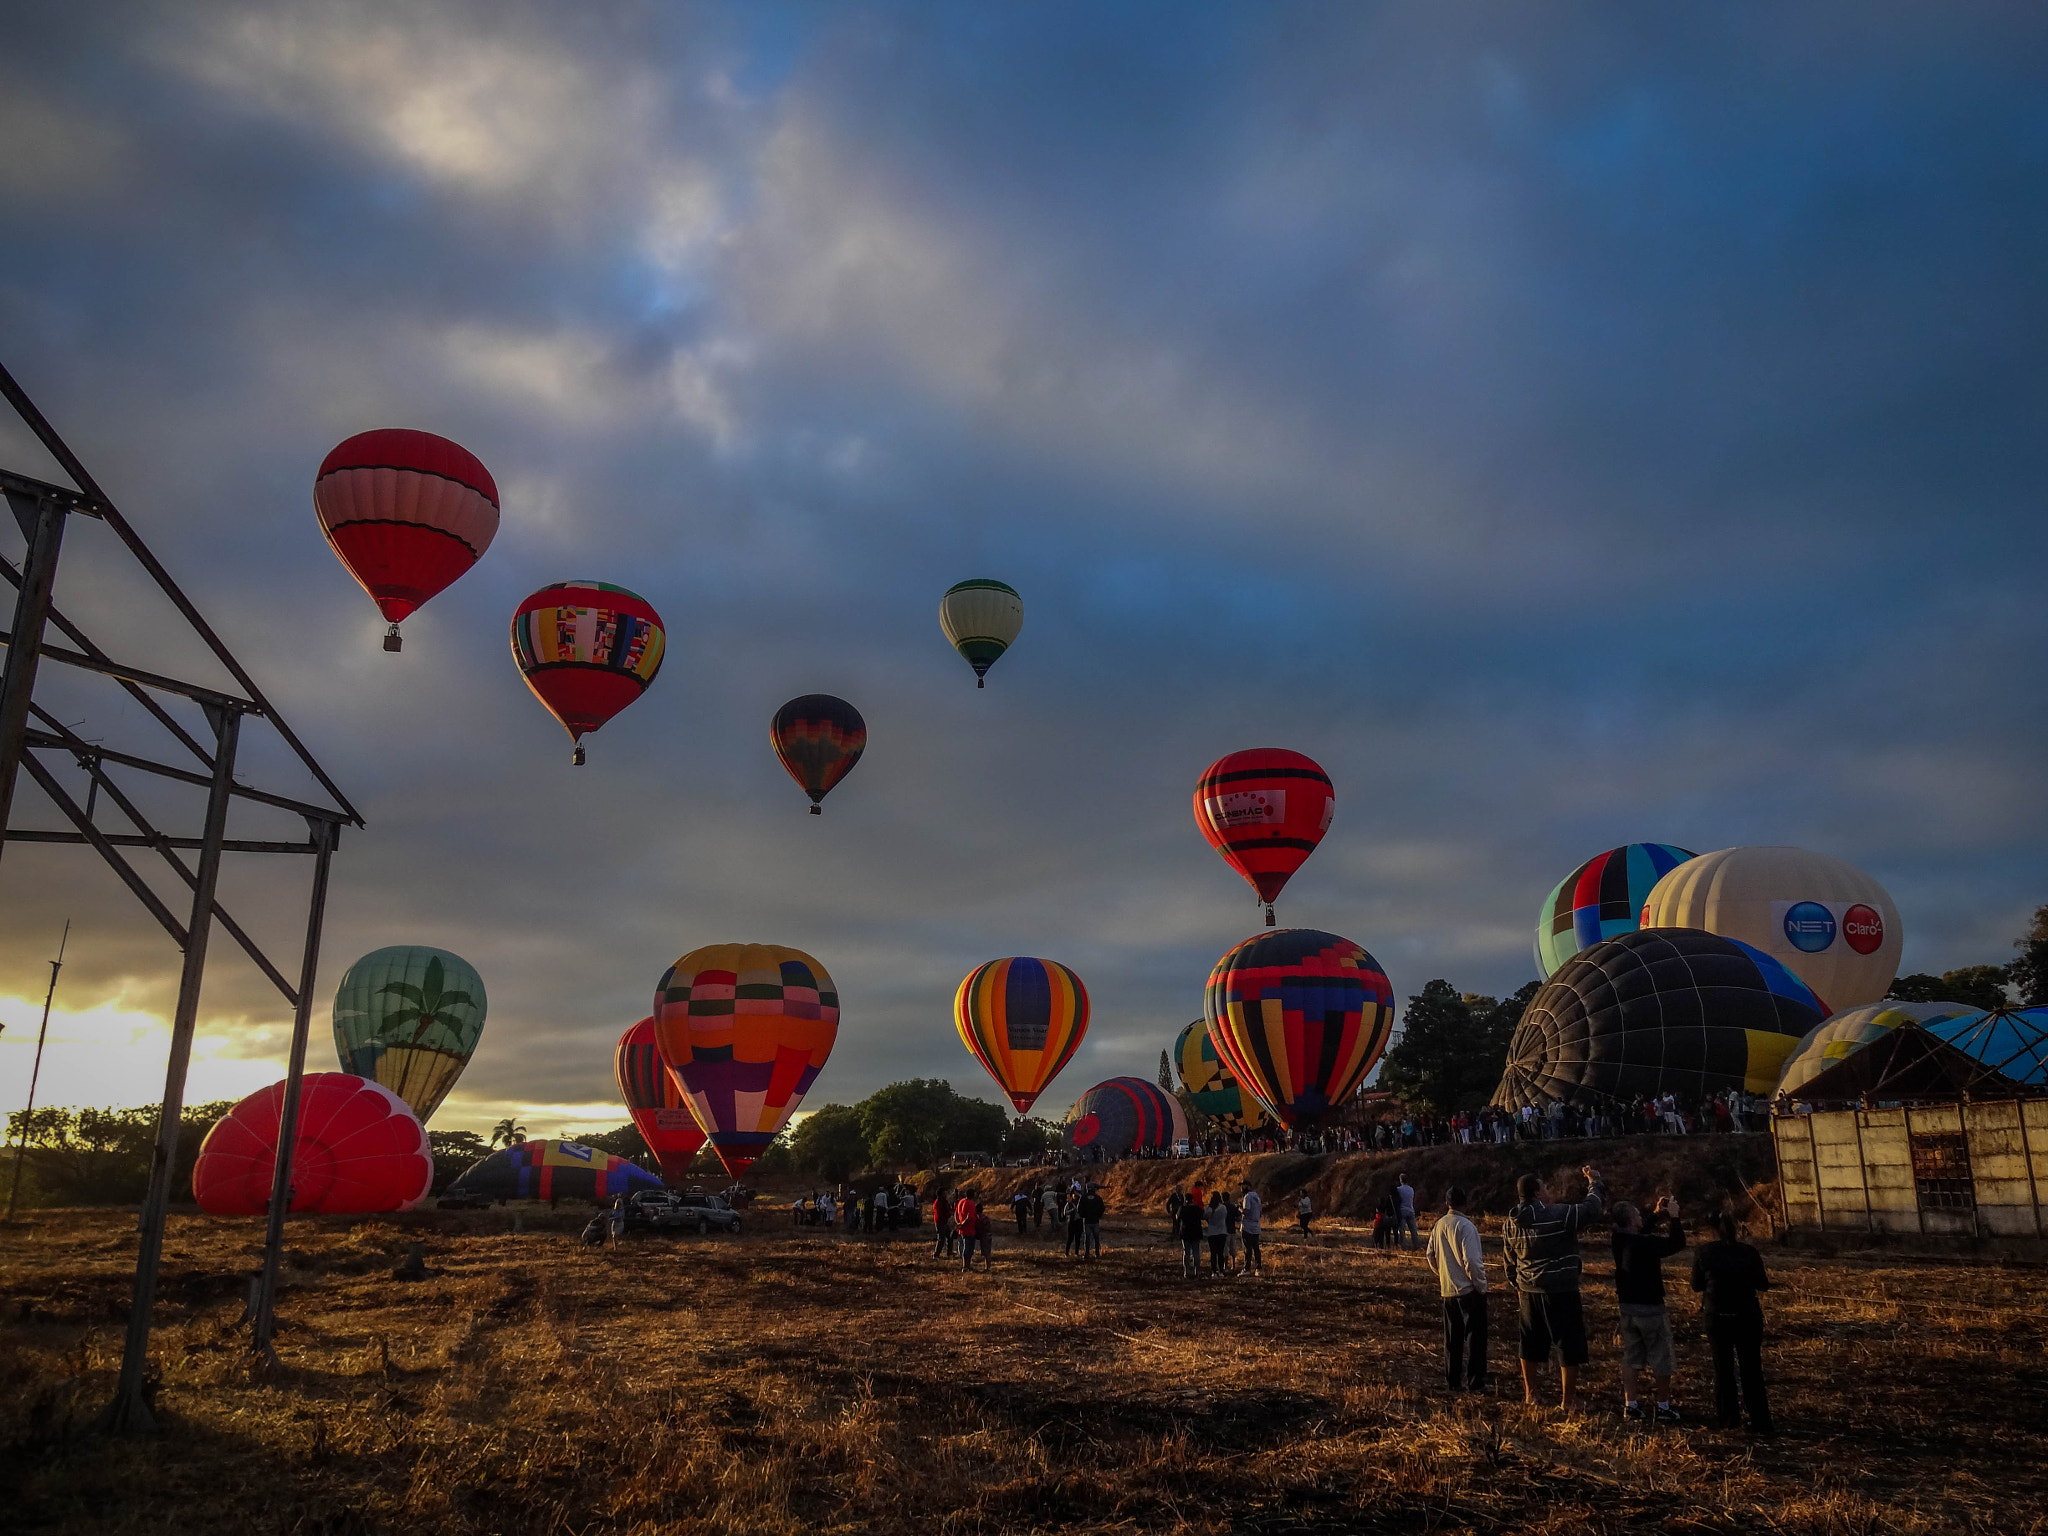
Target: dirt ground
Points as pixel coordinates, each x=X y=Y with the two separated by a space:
x=791 y=1381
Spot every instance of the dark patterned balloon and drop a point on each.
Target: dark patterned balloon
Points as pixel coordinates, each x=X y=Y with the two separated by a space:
x=1660 y=1010
x=819 y=738
x=1299 y=1016
x=1126 y=1114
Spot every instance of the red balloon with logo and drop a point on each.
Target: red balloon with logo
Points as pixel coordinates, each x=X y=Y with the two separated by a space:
x=358 y=1151
x=655 y=1100
x=407 y=512
x=1265 y=810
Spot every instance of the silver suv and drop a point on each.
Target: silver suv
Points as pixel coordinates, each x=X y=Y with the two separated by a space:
x=688 y=1211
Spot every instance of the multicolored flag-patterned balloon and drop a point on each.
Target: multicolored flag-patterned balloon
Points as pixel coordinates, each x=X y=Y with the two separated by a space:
x=655 y=1100
x=407 y=512
x=1264 y=811
x=1126 y=1114
x=746 y=1029
x=358 y=1151
x=1208 y=1082
x=587 y=649
x=1601 y=899
x=1660 y=1010
x=819 y=738
x=982 y=619
x=1023 y=1019
x=409 y=1017
x=1299 y=1017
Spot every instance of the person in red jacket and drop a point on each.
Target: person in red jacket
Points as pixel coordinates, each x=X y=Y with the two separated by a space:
x=979 y=1229
x=942 y=1220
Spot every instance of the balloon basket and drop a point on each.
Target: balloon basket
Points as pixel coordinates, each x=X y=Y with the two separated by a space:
x=576 y=757
x=981 y=682
x=1269 y=915
x=817 y=810
x=392 y=641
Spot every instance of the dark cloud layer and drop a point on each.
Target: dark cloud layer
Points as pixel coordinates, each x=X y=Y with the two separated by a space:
x=1569 y=427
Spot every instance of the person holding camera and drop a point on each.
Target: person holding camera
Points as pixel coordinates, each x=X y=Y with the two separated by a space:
x=1540 y=1242
x=1640 y=1249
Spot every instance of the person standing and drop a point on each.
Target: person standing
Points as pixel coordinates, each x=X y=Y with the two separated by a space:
x=1254 y=1209
x=1020 y=1208
x=985 y=1234
x=1454 y=1254
x=1405 y=1213
x=1540 y=1243
x=1729 y=1274
x=1092 y=1209
x=1188 y=1225
x=1304 y=1212
x=1231 y=1243
x=1049 y=1202
x=1037 y=1213
x=1640 y=1249
x=942 y=1223
x=963 y=1225
x=1174 y=1201
x=881 y=1210
x=1214 y=1229
x=1071 y=1213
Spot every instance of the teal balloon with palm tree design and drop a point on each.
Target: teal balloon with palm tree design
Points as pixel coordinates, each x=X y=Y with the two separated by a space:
x=409 y=1018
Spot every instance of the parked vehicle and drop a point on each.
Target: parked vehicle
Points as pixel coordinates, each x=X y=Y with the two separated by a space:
x=668 y=1210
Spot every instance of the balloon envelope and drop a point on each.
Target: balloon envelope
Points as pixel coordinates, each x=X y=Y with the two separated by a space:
x=982 y=619
x=746 y=1029
x=358 y=1151
x=1023 y=1019
x=587 y=649
x=1208 y=1081
x=407 y=512
x=409 y=1017
x=1264 y=811
x=1600 y=899
x=1659 y=1010
x=1126 y=1114
x=655 y=1101
x=1832 y=925
x=1299 y=1017
x=552 y=1170
x=1845 y=1033
x=819 y=738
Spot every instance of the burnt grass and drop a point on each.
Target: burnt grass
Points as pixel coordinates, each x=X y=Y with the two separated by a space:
x=793 y=1381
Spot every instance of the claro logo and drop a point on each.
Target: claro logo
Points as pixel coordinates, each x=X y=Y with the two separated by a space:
x=1863 y=928
x=1810 y=927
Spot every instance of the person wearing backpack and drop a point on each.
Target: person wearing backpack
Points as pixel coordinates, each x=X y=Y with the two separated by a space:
x=1729 y=1273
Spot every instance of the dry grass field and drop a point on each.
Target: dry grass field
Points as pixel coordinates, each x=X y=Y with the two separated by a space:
x=789 y=1381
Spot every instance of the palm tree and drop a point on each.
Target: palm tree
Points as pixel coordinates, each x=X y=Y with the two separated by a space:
x=505 y=1131
x=426 y=1004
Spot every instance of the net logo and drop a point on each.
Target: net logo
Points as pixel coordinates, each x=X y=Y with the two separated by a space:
x=1810 y=927
x=1863 y=928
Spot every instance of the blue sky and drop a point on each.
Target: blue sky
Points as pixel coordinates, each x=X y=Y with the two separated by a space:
x=1570 y=427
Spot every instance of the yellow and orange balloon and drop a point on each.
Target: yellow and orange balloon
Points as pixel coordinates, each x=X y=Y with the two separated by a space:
x=1023 y=1019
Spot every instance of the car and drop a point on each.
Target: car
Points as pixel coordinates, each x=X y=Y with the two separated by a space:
x=462 y=1200
x=685 y=1210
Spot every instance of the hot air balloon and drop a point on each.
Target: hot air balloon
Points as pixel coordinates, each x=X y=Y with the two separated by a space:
x=746 y=1029
x=1208 y=1082
x=1603 y=897
x=1264 y=811
x=358 y=1151
x=1126 y=1114
x=587 y=649
x=1658 y=1010
x=1023 y=1019
x=409 y=1017
x=407 y=512
x=655 y=1101
x=981 y=618
x=1830 y=923
x=1299 y=1017
x=1843 y=1034
x=819 y=739
x=551 y=1170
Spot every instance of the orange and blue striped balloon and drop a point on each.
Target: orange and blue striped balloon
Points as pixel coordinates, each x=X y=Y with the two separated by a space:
x=1299 y=1017
x=1023 y=1019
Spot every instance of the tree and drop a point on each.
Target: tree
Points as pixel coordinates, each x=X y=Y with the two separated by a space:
x=1978 y=986
x=1029 y=1136
x=1453 y=1047
x=103 y=1156
x=505 y=1131
x=829 y=1143
x=455 y=1152
x=2029 y=973
x=621 y=1141
x=924 y=1121
x=1165 y=1074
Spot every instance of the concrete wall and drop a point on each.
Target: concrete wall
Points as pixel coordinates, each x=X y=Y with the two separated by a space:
x=1982 y=1170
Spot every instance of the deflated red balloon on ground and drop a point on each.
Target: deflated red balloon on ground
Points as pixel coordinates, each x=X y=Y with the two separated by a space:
x=358 y=1151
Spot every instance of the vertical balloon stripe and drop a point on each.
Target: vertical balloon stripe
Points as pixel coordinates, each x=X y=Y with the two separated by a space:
x=1027 y=1006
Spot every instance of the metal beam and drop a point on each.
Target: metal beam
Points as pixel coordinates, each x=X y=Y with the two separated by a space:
x=67 y=498
x=135 y=691
x=155 y=680
x=47 y=782
x=125 y=840
x=69 y=462
x=43 y=522
x=129 y=1413
x=62 y=736
x=264 y=1319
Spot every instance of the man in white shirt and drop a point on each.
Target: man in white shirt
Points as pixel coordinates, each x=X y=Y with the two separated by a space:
x=1460 y=1266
